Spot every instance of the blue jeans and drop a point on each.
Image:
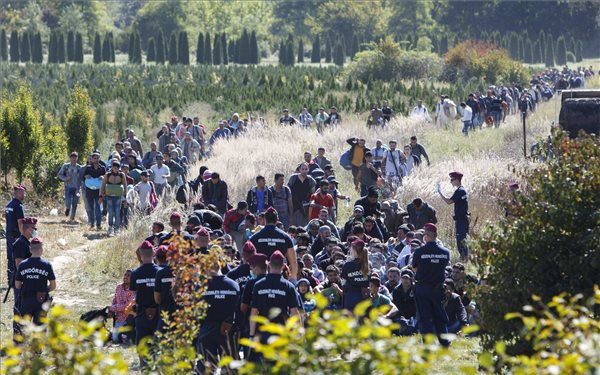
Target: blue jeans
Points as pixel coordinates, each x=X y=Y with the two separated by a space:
x=467 y=126
x=462 y=228
x=71 y=200
x=113 y=208
x=116 y=335
x=497 y=115
x=94 y=211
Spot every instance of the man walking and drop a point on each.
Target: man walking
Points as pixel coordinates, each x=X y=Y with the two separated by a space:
x=462 y=216
x=93 y=175
x=69 y=174
x=430 y=263
x=302 y=187
x=282 y=199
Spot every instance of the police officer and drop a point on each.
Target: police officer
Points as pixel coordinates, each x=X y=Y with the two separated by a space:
x=216 y=338
x=142 y=283
x=460 y=199
x=34 y=279
x=273 y=292
x=21 y=249
x=241 y=274
x=258 y=270
x=270 y=239
x=175 y=220
x=163 y=284
x=430 y=261
x=14 y=213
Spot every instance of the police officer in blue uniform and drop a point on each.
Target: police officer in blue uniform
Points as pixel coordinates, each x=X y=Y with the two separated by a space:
x=163 y=284
x=258 y=270
x=241 y=274
x=142 y=283
x=460 y=199
x=270 y=239
x=14 y=213
x=430 y=261
x=273 y=292
x=216 y=335
x=355 y=273
x=35 y=279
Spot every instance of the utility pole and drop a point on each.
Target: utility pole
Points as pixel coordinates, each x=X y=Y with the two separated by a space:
x=524 y=116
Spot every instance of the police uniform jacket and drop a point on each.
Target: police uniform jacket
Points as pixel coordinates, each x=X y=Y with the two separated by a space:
x=142 y=283
x=269 y=239
x=431 y=261
x=163 y=284
x=34 y=273
x=222 y=295
x=273 y=291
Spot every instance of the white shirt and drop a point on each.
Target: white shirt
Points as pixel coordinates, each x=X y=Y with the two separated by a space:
x=405 y=251
x=378 y=153
x=143 y=190
x=467 y=114
x=420 y=112
x=159 y=173
x=390 y=169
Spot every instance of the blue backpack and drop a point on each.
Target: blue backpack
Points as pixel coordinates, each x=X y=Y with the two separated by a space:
x=346 y=160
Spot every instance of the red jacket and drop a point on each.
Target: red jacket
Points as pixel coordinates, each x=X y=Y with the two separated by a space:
x=232 y=220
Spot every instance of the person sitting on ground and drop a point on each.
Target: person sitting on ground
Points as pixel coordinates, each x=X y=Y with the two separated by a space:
x=122 y=299
x=455 y=310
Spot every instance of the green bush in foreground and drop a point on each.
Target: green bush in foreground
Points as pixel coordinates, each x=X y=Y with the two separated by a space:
x=549 y=245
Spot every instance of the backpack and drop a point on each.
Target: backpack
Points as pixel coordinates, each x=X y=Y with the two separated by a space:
x=346 y=160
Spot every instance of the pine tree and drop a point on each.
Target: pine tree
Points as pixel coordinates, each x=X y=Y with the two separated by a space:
x=301 y=51
x=561 y=51
x=231 y=51
x=111 y=39
x=183 y=48
x=25 y=47
x=289 y=58
x=254 y=55
x=14 y=47
x=528 y=54
x=207 y=49
x=37 y=53
x=339 y=54
x=579 y=51
x=61 y=54
x=98 y=50
x=237 y=49
x=224 y=49
x=217 y=54
x=328 y=50
x=151 y=50
x=79 y=122
x=245 y=48
x=355 y=45
x=200 y=49
x=137 y=49
x=550 y=56
x=282 y=54
x=52 y=48
x=130 y=48
x=173 y=55
x=70 y=46
x=513 y=45
x=106 y=48
x=160 y=48
x=315 y=56
x=79 y=48
x=3 y=46
x=538 y=54
x=542 y=40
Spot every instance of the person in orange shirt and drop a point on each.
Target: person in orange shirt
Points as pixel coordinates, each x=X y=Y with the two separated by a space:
x=321 y=199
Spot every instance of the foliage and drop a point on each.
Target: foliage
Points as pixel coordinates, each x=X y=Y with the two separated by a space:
x=151 y=50
x=22 y=129
x=388 y=62
x=97 y=49
x=161 y=55
x=300 y=51
x=70 y=46
x=207 y=50
x=14 y=46
x=79 y=123
x=47 y=160
x=183 y=48
x=561 y=51
x=79 y=48
x=550 y=56
x=338 y=58
x=25 y=47
x=68 y=348
x=565 y=335
x=315 y=56
x=3 y=46
x=60 y=48
x=200 y=49
x=549 y=245
x=173 y=54
x=482 y=60
x=335 y=342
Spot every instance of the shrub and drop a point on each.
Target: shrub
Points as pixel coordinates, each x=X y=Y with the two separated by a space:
x=69 y=348
x=482 y=60
x=549 y=246
x=565 y=337
x=79 y=123
x=47 y=160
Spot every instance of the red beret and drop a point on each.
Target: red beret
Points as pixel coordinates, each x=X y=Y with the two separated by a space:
x=161 y=252
x=455 y=175
x=271 y=210
x=19 y=188
x=29 y=220
x=37 y=241
x=277 y=256
x=257 y=259
x=249 y=248
x=203 y=232
x=358 y=243
x=146 y=245
x=175 y=215
x=430 y=227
